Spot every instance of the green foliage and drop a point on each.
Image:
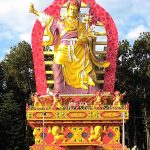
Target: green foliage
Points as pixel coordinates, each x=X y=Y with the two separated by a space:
x=16 y=85
x=1 y=81
x=133 y=77
x=12 y=124
x=133 y=67
x=18 y=65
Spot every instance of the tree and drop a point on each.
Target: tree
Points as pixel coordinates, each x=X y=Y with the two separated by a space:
x=19 y=66
x=133 y=77
x=1 y=82
x=12 y=124
x=17 y=83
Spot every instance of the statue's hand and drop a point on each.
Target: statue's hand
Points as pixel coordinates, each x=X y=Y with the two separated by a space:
x=82 y=40
x=31 y=8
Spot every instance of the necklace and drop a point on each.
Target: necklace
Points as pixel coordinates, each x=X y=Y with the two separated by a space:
x=71 y=24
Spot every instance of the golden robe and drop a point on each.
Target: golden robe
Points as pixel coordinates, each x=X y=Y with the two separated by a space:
x=68 y=52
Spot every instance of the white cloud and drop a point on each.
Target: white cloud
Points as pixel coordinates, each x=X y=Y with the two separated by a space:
x=15 y=14
x=134 y=33
x=16 y=22
x=128 y=16
x=25 y=37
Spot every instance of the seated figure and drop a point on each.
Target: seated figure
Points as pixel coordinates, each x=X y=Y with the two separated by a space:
x=73 y=58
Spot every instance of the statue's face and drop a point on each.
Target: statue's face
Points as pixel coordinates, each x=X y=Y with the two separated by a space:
x=73 y=11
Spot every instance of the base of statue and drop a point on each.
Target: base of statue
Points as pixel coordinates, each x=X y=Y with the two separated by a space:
x=91 y=147
x=77 y=122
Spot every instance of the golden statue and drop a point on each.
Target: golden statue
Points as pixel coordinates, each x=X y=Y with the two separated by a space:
x=37 y=134
x=95 y=134
x=57 y=103
x=36 y=101
x=98 y=100
x=118 y=97
x=57 y=133
x=73 y=57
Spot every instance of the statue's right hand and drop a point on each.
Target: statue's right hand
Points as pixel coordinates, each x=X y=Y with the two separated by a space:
x=82 y=40
x=31 y=8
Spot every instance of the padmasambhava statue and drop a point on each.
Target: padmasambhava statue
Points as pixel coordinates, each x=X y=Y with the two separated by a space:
x=73 y=61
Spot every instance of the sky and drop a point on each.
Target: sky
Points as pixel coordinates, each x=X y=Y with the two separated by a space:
x=130 y=16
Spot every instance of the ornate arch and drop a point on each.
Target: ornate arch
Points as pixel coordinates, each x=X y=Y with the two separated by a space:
x=99 y=14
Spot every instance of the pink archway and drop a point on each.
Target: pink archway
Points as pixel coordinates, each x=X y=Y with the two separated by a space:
x=99 y=14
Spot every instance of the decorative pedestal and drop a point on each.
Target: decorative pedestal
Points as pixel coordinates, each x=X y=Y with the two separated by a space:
x=75 y=123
